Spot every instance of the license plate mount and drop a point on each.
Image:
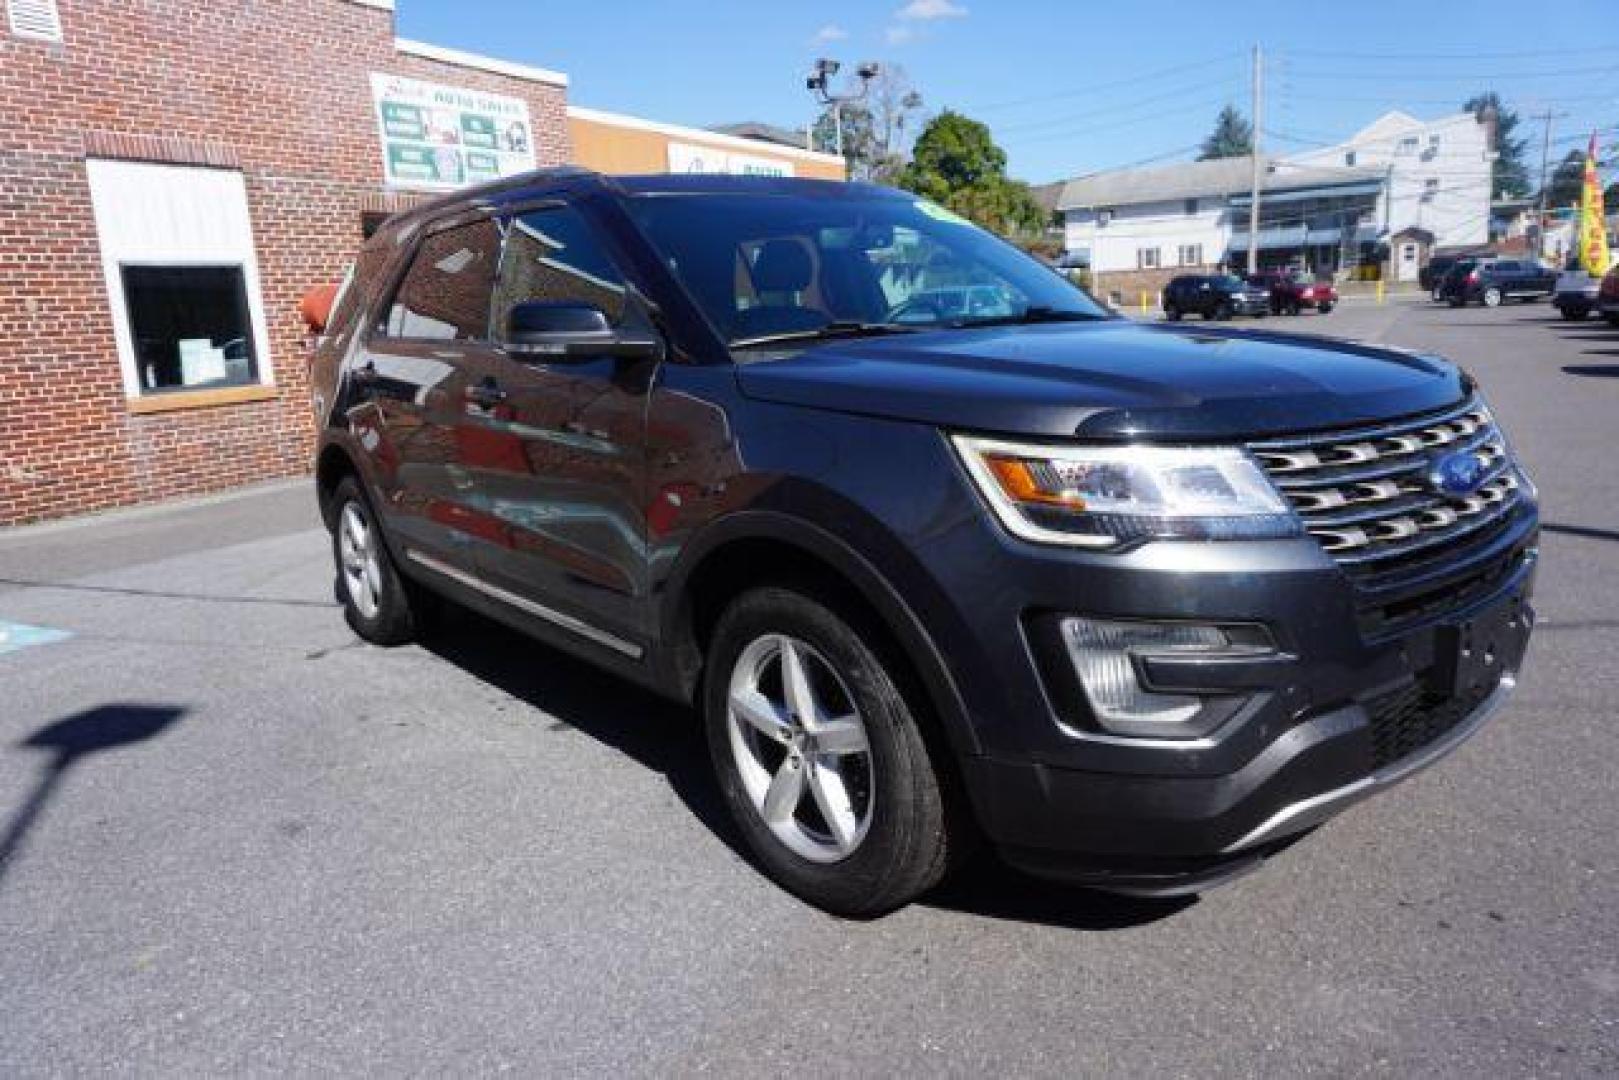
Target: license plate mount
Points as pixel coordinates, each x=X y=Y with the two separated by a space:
x=1471 y=655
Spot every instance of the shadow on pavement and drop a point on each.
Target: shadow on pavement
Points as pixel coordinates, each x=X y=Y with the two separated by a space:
x=667 y=738
x=1595 y=371
x=1585 y=531
x=160 y=594
x=68 y=742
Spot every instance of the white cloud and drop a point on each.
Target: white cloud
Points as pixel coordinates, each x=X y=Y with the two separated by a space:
x=899 y=35
x=829 y=33
x=930 y=10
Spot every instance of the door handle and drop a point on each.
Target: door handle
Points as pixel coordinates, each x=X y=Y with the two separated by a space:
x=486 y=394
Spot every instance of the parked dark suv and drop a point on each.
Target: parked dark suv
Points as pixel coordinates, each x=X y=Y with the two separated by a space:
x=1138 y=605
x=1492 y=282
x=1214 y=296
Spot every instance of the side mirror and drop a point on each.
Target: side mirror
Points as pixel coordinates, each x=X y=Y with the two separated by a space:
x=316 y=307
x=563 y=330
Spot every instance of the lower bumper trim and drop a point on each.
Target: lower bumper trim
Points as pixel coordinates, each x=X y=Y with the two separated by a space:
x=1310 y=812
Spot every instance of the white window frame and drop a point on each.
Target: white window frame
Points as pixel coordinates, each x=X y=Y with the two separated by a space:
x=1149 y=258
x=1407 y=145
x=1195 y=251
x=150 y=214
x=40 y=20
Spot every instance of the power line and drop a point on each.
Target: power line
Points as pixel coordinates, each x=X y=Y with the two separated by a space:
x=1428 y=57
x=1494 y=76
x=1111 y=84
x=1200 y=89
x=1087 y=129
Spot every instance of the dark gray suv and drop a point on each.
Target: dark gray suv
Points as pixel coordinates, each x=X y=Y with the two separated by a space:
x=1134 y=605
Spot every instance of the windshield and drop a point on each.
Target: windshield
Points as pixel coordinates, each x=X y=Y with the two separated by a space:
x=764 y=266
x=1229 y=281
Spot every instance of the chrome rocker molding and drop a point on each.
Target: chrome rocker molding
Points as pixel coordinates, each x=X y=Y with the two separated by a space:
x=1313 y=811
x=539 y=611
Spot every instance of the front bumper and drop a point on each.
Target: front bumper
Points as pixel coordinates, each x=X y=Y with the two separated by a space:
x=1348 y=708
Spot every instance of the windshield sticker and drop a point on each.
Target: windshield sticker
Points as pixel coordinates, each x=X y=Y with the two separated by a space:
x=939 y=213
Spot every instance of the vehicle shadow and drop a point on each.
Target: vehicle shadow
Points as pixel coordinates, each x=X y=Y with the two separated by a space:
x=1595 y=371
x=667 y=738
x=68 y=742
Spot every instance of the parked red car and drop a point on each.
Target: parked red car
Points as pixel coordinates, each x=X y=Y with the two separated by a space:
x=1608 y=297
x=1291 y=291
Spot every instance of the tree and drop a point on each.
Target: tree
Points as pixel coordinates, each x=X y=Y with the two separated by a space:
x=1610 y=198
x=1567 y=181
x=956 y=164
x=1509 y=176
x=1233 y=136
x=874 y=129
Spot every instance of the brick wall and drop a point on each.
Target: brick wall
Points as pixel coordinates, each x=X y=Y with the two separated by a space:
x=280 y=91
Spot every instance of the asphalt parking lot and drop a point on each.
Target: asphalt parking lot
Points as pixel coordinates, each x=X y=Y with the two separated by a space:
x=234 y=839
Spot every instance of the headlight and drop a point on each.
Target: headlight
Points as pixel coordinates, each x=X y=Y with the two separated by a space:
x=1103 y=496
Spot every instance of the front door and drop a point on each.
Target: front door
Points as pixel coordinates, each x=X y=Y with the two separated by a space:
x=1408 y=269
x=569 y=486
x=412 y=382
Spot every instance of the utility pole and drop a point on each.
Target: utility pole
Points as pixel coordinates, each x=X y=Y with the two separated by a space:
x=819 y=83
x=1258 y=169
x=1545 y=157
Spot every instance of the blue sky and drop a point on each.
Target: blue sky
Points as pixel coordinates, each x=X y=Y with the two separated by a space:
x=1067 y=87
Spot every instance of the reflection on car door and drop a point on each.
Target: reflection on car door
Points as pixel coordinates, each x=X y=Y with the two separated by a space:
x=568 y=480
x=412 y=383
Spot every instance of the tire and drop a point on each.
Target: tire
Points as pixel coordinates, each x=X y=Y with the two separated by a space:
x=1172 y=313
x=1493 y=297
x=896 y=840
x=1611 y=320
x=1224 y=312
x=1325 y=307
x=1572 y=313
x=1458 y=301
x=377 y=603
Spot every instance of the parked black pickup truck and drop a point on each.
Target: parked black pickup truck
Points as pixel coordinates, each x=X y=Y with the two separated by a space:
x=1137 y=605
x=1492 y=282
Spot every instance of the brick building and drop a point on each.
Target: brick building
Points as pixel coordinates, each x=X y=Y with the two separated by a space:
x=173 y=175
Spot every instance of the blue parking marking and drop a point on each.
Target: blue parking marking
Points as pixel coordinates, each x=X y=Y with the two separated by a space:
x=17 y=636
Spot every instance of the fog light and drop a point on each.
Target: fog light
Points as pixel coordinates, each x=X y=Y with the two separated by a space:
x=1102 y=653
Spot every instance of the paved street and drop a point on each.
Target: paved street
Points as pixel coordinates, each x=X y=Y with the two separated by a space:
x=234 y=839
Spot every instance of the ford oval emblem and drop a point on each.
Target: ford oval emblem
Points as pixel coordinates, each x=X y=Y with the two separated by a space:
x=1458 y=474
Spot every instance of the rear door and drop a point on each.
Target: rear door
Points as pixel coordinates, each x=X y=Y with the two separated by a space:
x=429 y=350
x=569 y=488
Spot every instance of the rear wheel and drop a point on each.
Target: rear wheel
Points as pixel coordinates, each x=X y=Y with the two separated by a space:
x=820 y=758
x=1611 y=320
x=1325 y=307
x=1492 y=297
x=1224 y=311
x=1172 y=313
x=376 y=601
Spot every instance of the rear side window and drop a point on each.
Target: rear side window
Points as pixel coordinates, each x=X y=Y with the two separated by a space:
x=554 y=255
x=446 y=293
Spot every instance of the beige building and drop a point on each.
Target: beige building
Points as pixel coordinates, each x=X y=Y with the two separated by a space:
x=615 y=143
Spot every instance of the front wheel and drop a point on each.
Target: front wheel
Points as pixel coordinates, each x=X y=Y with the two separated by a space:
x=1325 y=307
x=1492 y=297
x=1172 y=313
x=376 y=601
x=1224 y=312
x=821 y=759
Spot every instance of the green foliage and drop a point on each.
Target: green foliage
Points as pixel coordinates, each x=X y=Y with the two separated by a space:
x=1509 y=177
x=874 y=129
x=1566 y=181
x=1233 y=136
x=956 y=164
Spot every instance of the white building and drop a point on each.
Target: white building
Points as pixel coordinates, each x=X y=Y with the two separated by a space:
x=1437 y=180
x=1396 y=189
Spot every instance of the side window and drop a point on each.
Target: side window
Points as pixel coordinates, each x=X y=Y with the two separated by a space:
x=446 y=291
x=553 y=254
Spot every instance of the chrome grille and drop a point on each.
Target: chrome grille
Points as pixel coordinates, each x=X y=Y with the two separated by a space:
x=1366 y=497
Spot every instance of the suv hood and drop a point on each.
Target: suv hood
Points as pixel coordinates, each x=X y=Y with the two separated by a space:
x=1112 y=379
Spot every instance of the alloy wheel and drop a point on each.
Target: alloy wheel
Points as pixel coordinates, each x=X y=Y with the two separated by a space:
x=357 y=547
x=800 y=748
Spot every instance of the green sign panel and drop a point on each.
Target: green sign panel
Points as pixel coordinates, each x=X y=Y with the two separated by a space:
x=439 y=137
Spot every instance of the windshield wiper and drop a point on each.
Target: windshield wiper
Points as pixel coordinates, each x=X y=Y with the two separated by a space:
x=828 y=332
x=1039 y=313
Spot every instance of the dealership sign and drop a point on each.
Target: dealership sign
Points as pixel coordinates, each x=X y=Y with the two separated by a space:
x=690 y=158
x=440 y=137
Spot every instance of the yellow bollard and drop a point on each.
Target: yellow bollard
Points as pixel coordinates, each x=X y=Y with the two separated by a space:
x=1143 y=301
x=1380 y=287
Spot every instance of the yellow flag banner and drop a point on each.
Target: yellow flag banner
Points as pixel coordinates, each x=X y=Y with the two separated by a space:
x=1593 y=223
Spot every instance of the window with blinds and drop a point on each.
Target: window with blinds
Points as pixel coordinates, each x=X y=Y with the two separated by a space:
x=35 y=19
